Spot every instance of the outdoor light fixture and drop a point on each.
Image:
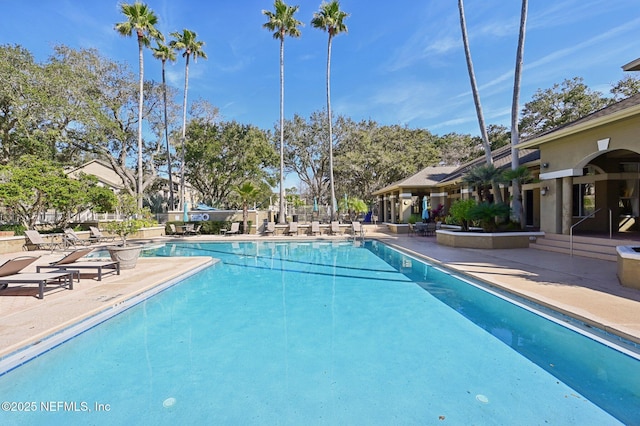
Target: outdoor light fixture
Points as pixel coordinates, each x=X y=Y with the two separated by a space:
x=544 y=190
x=545 y=165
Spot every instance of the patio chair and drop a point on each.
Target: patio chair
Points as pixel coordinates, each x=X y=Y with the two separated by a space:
x=430 y=229
x=34 y=238
x=315 y=228
x=335 y=228
x=269 y=228
x=174 y=231
x=191 y=230
x=71 y=239
x=235 y=229
x=98 y=237
x=357 y=230
x=10 y=274
x=71 y=262
x=293 y=228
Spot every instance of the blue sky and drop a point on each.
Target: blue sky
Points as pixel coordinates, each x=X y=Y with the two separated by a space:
x=400 y=63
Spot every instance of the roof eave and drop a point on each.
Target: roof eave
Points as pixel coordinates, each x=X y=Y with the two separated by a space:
x=581 y=127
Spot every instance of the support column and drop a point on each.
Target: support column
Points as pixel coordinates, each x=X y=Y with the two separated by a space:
x=567 y=204
x=405 y=204
x=383 y=210
x=392 y=201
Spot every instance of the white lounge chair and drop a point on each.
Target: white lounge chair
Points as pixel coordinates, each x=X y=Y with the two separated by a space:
x=293 y=228
x=269 y=228
x=315 y=228
x=71 y=239
x=357 y=230
x=34 y=238
x=235 y=229
x=335 y=228
x=98 y=237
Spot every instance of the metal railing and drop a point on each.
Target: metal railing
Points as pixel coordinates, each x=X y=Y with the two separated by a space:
x=582 y=220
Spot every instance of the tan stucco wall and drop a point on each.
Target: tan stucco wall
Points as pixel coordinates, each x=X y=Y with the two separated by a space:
x=577 y=150
x=573 y=152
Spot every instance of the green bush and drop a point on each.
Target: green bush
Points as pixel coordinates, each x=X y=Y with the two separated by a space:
x=17 y=229
x=414 y=218
x=460 y=212
x=486 y=214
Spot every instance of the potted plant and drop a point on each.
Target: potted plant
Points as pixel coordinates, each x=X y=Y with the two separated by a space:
x=126 y=254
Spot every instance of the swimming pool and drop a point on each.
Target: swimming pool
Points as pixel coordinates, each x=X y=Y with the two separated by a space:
x=325 y=333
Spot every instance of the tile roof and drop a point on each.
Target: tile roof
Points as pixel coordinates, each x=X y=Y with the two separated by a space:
x=435 y=176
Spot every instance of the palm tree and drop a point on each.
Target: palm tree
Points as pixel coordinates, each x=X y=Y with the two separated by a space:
x=330 y=19
x=247 y=192
x=282 y=23
x=515 y=135
x=476 y=97
x=142 y=21
x=518 y=176
x=166 y=53
x=482 y=177
x=187 y=42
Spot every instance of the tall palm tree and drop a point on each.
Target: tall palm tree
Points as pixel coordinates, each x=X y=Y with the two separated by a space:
x=166 y=53
x=330 y=19
x=283 y=23
x=187 y=42
x=476 y=97
x=142 y=21
x=515 y=134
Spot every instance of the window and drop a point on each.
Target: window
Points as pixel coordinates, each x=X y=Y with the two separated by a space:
x=629 y=200
x=584 y=199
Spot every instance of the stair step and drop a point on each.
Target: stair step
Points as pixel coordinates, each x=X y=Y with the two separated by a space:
x=589 y=247
x=576 y=252
x=584 y=246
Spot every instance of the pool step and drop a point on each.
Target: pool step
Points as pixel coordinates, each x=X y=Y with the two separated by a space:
x=592 y=247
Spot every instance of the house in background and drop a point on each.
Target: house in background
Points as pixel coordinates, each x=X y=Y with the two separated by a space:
x=108 y=178
x=442 y=185
x=590 y=169
x=586 y=177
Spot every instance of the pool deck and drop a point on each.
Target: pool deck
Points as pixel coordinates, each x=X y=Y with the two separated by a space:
x=586 y=289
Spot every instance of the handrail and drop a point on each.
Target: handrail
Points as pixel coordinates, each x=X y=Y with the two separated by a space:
x=576 y=224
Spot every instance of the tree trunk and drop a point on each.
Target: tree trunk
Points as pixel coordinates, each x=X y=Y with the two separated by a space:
x=516 y=209
x=184 y=131
x=281 y=216
x=140 y=101
x=476 y=99
x=166 y=135
x=329 y=118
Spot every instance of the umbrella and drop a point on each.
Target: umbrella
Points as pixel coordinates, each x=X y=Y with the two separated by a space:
x=185 y=214
x=315 y=204
x=425 y=208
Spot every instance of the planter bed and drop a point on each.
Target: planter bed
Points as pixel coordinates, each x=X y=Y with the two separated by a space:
x=486 y=240
x=629 y=266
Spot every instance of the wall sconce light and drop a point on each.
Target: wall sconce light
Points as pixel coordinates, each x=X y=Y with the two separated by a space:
x=544 y=190
x=545 y=165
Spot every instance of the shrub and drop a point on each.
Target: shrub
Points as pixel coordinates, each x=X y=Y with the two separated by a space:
x=414 y=218
x=459 y=211
x=486 y=214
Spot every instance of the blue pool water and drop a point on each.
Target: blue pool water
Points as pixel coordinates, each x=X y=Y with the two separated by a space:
x=324 y=333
